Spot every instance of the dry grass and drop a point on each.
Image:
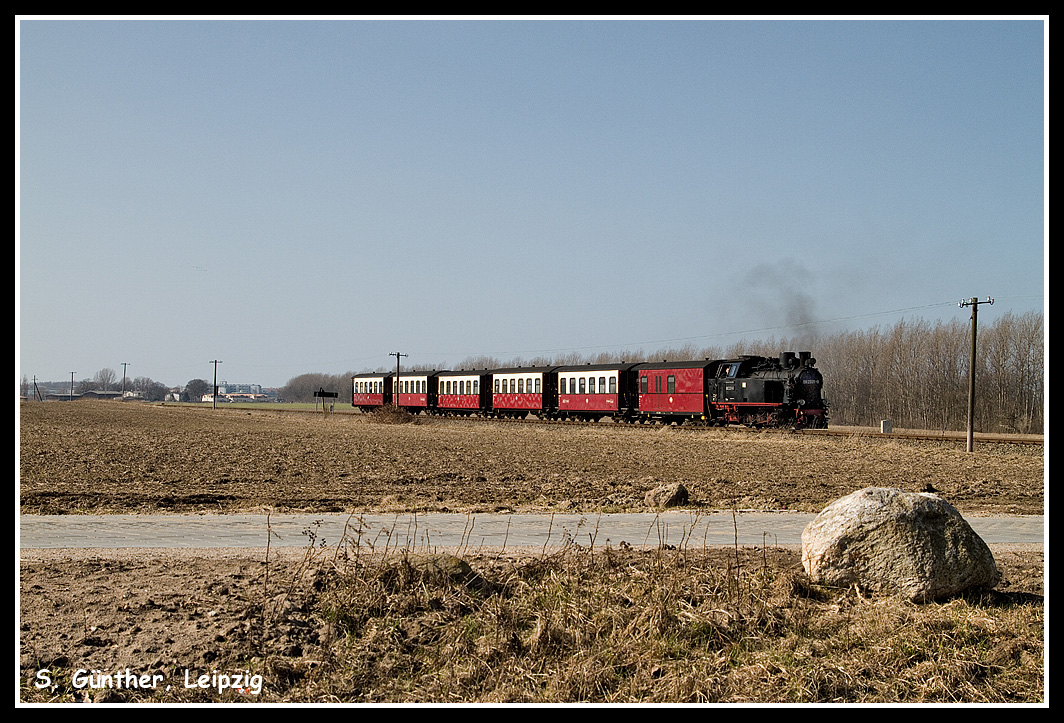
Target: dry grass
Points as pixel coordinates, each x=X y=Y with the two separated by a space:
x=352 y=624
x=621 y=626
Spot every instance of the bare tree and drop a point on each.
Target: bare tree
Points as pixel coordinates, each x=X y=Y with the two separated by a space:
x=104 y=380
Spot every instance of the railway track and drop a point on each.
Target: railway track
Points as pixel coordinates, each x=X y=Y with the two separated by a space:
x=983 y=438
x=871 y=432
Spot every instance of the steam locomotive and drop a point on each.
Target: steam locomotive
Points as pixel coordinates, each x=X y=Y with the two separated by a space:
x=748 y=390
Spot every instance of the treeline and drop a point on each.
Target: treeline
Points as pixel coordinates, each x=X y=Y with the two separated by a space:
x=302 y=388
x=914 y=373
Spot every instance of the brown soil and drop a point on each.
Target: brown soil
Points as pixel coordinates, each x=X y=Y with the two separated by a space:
x=103 y=457
x=164 y=612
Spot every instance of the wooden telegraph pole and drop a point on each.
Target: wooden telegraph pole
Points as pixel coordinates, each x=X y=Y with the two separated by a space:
x=395 y=388
x=214 y=394
x=974 y=303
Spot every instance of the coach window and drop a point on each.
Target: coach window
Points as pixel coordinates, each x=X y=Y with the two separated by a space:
x=602 y=385
x=672 y=384
x=538 y=386
x=613 y=385
x=591 y=385
x=476 y=386
x=644 y=385
x=583 y=385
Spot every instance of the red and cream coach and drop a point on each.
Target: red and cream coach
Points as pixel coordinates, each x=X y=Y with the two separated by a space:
x=371 y=390
x=519 y=391
x=593 y=391
x=463 y=392
x=415 y=391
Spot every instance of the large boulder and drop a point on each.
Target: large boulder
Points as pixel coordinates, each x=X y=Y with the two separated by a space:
x=890 y=541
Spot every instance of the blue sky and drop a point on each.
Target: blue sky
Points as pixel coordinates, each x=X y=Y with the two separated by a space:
x=309 y=195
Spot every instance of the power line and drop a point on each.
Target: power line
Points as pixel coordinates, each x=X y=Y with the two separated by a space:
x=744 y=332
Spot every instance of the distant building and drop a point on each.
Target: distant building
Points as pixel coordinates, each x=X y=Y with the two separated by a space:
x=97 y=394
x=229 y=398
x=227 y=388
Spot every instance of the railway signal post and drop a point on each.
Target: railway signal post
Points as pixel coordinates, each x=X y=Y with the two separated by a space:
x=325 y=395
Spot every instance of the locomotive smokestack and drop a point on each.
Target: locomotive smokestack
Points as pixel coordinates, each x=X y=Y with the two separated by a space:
x=787 y=359
x=805 y=356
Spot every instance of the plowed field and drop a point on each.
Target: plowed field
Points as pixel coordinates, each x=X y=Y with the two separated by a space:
x=107 y=457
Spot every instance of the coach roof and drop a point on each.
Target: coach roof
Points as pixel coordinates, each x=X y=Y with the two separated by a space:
x=625 y=366
x=523 y=370
x=691 y=364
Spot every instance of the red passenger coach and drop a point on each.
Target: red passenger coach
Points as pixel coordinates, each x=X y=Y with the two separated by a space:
x=593 y=391
x=675 y=390
x=519 y=391
x=415 y=391
x=463 y=392
x=371 y=391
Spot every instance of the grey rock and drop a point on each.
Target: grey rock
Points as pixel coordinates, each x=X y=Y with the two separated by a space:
x=673 y=495
x=889 y=541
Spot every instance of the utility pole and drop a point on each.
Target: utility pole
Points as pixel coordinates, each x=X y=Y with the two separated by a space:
x=974 y=303
x=214 y=394
x=395 y=389
x=71 y=386
x=124 y=365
